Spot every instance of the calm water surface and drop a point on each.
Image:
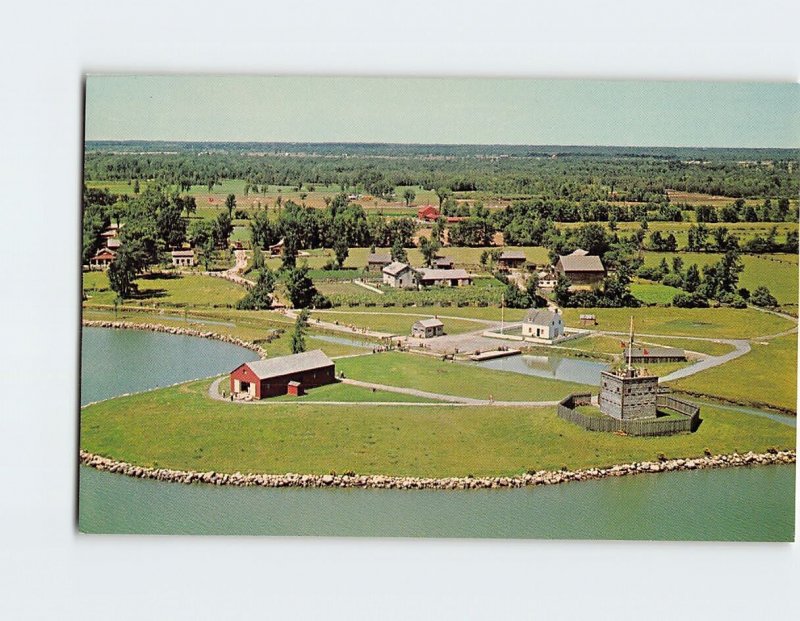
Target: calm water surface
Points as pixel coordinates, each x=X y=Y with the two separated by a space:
x=578 y=370
x=742 y=504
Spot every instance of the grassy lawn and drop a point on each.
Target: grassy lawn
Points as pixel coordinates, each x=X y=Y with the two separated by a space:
x=765 y=376
x=450 y=378
x=704 y=322
x=393 y=322
x=181 y=427
x=612 y=345
x=167 y=289
x=778 y=272
x=489 y=313
x=653 y=293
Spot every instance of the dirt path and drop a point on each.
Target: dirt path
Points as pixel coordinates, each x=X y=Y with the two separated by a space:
x=327 y=325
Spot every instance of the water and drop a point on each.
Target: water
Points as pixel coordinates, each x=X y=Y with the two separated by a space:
x=578 y=370
x=115 y=362
x=343 y=340
x=741 y=504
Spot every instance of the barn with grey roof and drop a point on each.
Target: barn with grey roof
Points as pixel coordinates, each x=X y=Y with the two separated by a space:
x=279 y=376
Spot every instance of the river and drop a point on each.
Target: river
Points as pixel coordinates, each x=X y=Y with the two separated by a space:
x=738 y=504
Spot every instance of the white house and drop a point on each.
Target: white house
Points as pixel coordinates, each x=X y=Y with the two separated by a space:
x=399 y=275
x=183 y=257
x=541 y=323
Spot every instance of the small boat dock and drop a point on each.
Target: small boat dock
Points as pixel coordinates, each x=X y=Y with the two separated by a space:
x=495 y=353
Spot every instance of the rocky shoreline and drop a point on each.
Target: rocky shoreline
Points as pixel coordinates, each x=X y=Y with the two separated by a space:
x=542 y=477
x=157 y=327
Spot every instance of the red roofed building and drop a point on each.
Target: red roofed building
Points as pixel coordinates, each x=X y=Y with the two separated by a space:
x=281 y=376
x=428 y=213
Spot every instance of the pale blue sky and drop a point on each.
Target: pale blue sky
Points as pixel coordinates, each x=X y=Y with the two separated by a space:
x=452 y=110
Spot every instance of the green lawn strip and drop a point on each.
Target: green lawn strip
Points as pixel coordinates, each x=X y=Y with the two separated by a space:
x=169 y=290
x=392 y=323
x=182 y=428
x=488 y=313
x=653 y=293
x=766 y=375
x=729 y=323
x=452 y=378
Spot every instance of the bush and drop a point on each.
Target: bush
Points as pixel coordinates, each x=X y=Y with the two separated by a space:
x=689 y=300
x=673 y=280
x=762 y=297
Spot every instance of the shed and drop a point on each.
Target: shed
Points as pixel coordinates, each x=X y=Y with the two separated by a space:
x=511 y=259
x=273 y=376
x=443 y=263
x=376 y=261
x=427 y=328
x=542 y=323
x=447 y=278
x=428 y=213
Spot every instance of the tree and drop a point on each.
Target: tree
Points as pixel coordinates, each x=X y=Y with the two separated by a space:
x=223 y=227
x=299 y=334
x=408 y=196
x=230 y=204
x=300 y=288
x=289 y=254
x=121 y=273
x=260 y=296
x=692 y=280
x=762 y=297
x=258 y=259
x=399 y=252
x=428 y=248
x=341 y=250
x=561 y=290
x=136 y=186
x=443 y=193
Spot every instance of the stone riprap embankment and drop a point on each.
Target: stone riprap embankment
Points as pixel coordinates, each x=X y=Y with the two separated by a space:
x=542 y=477
x=157 y=327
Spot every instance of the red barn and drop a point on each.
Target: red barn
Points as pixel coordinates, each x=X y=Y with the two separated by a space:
x=428 y=213
x=283 y=375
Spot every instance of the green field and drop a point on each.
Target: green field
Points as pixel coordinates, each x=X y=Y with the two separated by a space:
x=486 y=313
x=779 y=272
x=765 y=376
x=452 y=378
x=181 y=427
x=653 y=293
x=613 y=345
x=712 y=323
x=167 y=289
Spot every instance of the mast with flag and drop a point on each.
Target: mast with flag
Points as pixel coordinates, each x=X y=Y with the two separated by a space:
x=630 y=349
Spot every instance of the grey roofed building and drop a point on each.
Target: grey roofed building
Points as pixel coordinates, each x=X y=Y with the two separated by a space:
x=540 y=316
x=579 y=252
x=383 y=259
x=294 y=363
x=428 y=323
x=434 y=274
x=581 y=263
x=183 y=253
x=393 y=269
x=517 y=255
x=655 y=354
x=443 y=263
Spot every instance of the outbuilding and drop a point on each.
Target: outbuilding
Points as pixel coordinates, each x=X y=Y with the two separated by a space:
x=542 y=323
x=427 y=328
x=281 y=376
x=511 y=259
x=580 y=268
x=443 y=263
x=443 y=278
x=654 y=355
x=428 y=213
x=183 y=258
x=399 y=275
x=102 y=259
x=376 y=262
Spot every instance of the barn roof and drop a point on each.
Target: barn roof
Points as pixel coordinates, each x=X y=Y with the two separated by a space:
x=579 y=252
x=428 y=323
x=393 y=269
x=540 y=316
x=443 y=261
x=513 y=254
x=581 y=263
x=374 y=257
x=656 y=352
x=294 y=363
x=434 y=274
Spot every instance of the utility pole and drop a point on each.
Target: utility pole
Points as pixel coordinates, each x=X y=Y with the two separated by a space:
x=502 y=311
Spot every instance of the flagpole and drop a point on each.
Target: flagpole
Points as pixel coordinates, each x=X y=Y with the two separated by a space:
x=502 y=311
x=630 y=346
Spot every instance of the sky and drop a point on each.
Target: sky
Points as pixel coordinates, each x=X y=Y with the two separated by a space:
x=442 y=110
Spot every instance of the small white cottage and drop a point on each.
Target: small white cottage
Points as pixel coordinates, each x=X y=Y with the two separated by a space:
x=541 y=323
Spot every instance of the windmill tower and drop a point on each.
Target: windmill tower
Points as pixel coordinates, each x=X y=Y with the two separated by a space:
x=628 y=394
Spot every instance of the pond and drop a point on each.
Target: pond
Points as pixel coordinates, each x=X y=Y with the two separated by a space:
x=580 y=370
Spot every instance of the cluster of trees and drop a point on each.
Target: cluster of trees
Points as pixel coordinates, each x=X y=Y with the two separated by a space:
x=613 y=292
x=575 y=175
x=741 y=211
x=514 y=297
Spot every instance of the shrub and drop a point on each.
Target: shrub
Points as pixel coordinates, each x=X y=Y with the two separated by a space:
x=689 y=300
x=762 y=297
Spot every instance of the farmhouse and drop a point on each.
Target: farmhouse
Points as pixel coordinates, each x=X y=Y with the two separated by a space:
x=282 y=375
x=399 y=275
x=654 y=354
x=511 y=259
x=443 y=263
x=446 y=278
x=102 y=259
x=428 y=213
x=581 y=268
x=376 y=262
x=183 y=257
x=543 y=324
x=427 y=328
x=547 y=279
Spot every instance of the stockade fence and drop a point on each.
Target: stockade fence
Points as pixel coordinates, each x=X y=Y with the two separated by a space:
x=689 y=420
